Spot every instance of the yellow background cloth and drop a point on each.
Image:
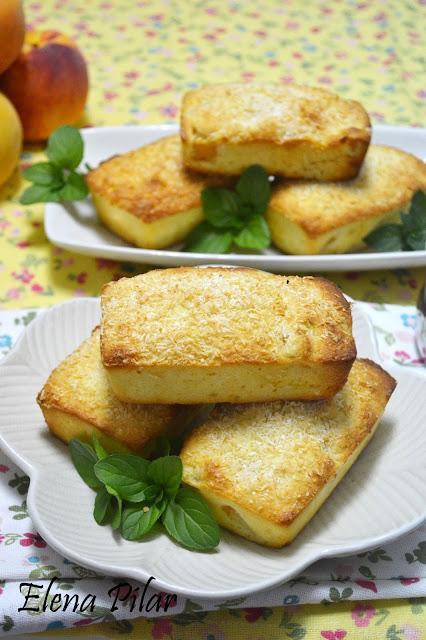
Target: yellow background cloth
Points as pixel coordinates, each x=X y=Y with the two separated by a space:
x=142 y=55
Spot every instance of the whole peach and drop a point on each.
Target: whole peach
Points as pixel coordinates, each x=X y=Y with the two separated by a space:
x=12 y=30
x=10 y=139
x=48 y=83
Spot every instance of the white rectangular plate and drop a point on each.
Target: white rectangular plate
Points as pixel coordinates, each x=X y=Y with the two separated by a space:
x=77 y=228
x=381 y=497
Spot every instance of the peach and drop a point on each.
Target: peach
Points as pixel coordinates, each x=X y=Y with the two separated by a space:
x=10 y=139
x=12 y=27
x=47 y=83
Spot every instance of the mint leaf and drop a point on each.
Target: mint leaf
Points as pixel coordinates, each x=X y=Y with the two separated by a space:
x=39 y=193
x=137 y=521
x=221 y=207
x=84 y=459
x=166 y=472
x=188 y=520
x=116 y=521
x=206 y=239
x=103 y=511
x=124 y=473
x=99 y=450
x=416 y=239
x=255 y=234
x=254 y=189
x=44 y=173
x=74 y=189
x=65 y=147
x=386 y=238
x=418 y=209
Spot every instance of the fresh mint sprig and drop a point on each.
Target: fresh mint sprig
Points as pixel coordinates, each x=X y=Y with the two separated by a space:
x=133 y=493
x=57 y=180
x=410 y=235
x=234 y=217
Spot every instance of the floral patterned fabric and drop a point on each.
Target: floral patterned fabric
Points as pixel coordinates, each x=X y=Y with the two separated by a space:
x=143 y=54
x=395 y=570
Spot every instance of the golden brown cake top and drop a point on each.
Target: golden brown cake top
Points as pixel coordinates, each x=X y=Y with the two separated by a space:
x=387 y=181
x=150 y=182
x=79 y=386
x=273 y=458
x=254 y=112
x=215 y=316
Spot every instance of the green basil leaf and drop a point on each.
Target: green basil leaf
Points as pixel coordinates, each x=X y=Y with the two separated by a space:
x=417 y=211
x=84 y=459
x=111 y=491
x=39 y=193
x=116 y=521
x=254 y=188
x=416 y=239
x=44 y=173
x=125 y=473
x=99 y=450
x=166 y=472
x=149 y=493
x=137 y=521
x=188 y=520
x=65 y=147
x=206 y=239
x=386 y=238
x=221 y=207
x=255 y=234
x=74 y=188
x=159 y=497
x=103 y=511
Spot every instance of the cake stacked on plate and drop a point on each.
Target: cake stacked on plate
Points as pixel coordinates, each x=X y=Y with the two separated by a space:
x=273 y=357
x=331 y=186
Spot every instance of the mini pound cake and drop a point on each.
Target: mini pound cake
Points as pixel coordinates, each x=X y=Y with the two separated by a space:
x=310 y=218
x=147 y=197
x=292 y=131
x=266 y=468
x=77 y=400
x=205 y=335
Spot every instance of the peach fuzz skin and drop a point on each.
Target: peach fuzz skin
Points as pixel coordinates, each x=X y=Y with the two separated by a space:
x=48 y=83
x=12 y=23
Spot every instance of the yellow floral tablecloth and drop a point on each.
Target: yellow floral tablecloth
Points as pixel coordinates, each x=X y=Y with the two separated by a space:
x=142 y=55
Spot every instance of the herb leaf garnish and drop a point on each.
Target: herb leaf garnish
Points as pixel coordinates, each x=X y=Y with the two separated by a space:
x=57 y=180
x=410 y=235
x=189 y=521
x=84 y=459
x=103 y=511
x=125 y=473
x=234 y=217
x=134 y=493
x=139 y=520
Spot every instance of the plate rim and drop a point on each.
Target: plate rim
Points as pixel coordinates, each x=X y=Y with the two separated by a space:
x=305 y=263
x=35 y=473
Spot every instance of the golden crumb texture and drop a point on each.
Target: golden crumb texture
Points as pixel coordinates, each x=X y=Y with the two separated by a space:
x=266 y=468
x=150 y=182
x=224 y=334
x=294 y=131
x=77 y=399
x=308 y=217
x=147 y=197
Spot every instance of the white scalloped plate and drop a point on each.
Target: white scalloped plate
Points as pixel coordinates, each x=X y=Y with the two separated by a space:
x=77 y=228
x=382 y=496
